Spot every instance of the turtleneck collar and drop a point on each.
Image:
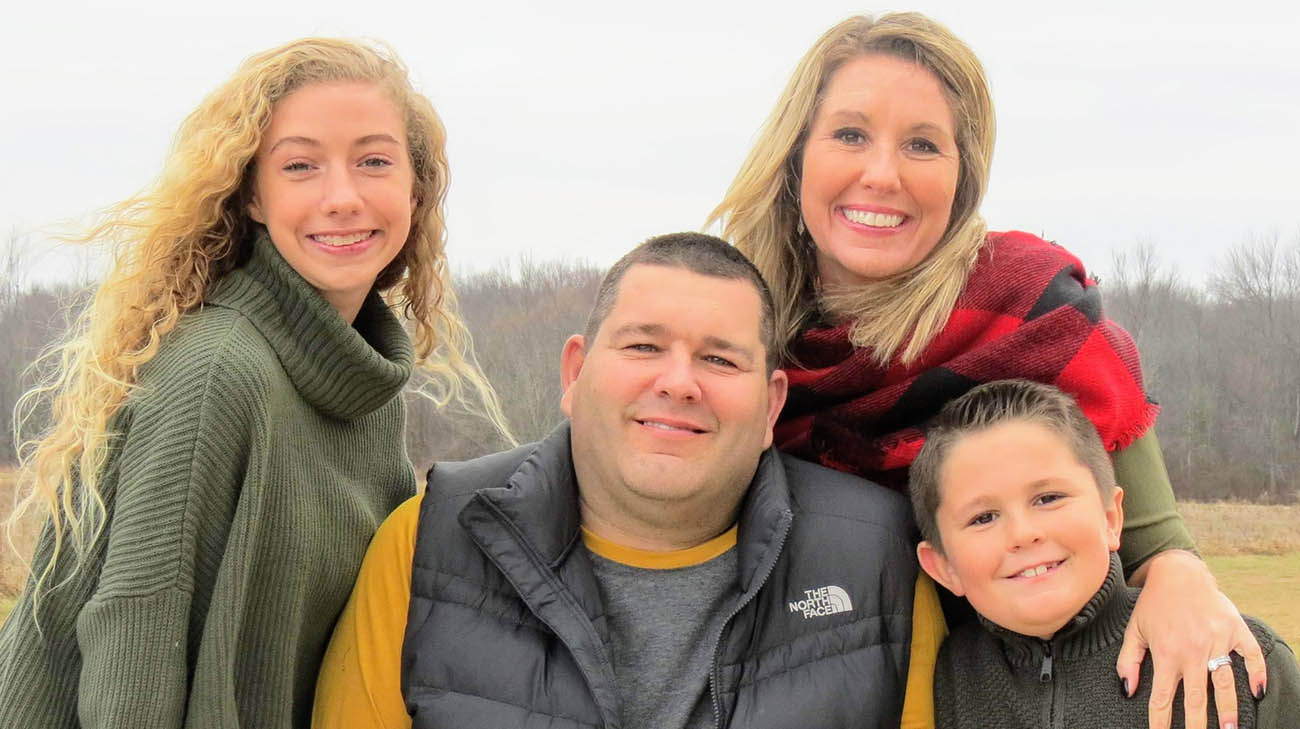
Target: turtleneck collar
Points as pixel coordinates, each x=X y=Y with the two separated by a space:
x=343 y=371
x=1099 y=624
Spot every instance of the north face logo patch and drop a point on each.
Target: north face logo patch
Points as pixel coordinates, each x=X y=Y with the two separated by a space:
x=821 y=601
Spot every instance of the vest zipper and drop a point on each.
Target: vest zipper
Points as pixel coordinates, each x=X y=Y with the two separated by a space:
x=753 y=592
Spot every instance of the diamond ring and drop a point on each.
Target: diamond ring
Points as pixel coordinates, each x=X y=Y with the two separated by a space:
x=1218 y=662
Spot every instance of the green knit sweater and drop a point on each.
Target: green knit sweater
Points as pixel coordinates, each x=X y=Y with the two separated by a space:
x=987 y=675
x=262 y=449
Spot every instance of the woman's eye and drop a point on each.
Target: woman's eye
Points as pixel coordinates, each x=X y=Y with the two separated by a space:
x=375 y=162
x=296 y=167
x=924 y=146
x=850 y=136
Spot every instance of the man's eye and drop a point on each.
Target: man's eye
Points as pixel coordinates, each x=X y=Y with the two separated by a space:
x=720 y=361
x=642 y=347
x=850 y=136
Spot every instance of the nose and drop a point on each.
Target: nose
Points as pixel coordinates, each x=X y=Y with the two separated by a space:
x=340 y=195
x=677 y=380
x=879 y=168
x=1022 y=530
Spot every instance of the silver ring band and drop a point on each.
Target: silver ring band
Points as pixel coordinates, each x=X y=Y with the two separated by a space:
x=1218 y=662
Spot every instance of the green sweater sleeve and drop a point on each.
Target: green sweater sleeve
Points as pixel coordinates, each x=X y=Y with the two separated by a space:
x=1151 y=520
x=113 y=644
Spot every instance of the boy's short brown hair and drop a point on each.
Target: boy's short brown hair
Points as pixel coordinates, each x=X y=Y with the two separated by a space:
x=992 y=404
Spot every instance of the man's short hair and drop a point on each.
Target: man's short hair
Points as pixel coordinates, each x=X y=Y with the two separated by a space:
x=697 y=253
x=992 y=404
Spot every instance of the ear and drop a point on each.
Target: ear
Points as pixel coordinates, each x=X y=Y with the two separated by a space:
x=255 y=210
x=1114 y=506
x=571 y=359
x=778 y=385
x=939 y=568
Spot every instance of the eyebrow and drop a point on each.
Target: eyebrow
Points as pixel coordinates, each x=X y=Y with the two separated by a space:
x=851 y=114
x=659 y=330
x=308 y=141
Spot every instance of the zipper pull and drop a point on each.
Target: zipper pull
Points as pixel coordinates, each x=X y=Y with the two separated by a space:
x=1045 y=673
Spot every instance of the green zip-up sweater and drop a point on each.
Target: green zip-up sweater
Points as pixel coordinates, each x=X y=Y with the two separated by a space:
x=262 y=449
x=987 y=675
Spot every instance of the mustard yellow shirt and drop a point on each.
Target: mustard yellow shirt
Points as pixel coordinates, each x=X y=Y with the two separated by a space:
x=360 y=682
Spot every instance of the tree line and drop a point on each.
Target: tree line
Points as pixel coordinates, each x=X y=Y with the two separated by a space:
x=1222 y=358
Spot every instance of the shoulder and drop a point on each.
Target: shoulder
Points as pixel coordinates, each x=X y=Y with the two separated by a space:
x=968 y=650
x=215 y=353
x=1019 y=245
x=461 y=478
x=451 y=484
x=824 y=493
x=1268 y=639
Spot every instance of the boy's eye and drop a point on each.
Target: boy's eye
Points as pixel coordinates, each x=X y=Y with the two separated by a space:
x=982 y=518
x=1049 y=498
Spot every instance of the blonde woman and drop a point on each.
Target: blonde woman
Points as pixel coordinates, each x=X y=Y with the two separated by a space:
x=227 y=419
x=860 y=205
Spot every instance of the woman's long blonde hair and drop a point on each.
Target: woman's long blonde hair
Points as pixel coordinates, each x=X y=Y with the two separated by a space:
x=760 y=213
x=173 y=241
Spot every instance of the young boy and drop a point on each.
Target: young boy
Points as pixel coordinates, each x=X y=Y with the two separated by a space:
x=1018 y=507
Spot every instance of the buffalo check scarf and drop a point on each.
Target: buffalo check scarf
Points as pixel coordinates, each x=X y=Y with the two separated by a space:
x=1028 y=311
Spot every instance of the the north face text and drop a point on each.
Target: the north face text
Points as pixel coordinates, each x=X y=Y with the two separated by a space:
x=821 y=601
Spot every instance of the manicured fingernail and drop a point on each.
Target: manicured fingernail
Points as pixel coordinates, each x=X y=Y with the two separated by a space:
x=1259 y=692
x=1229 y=725
x=1127 y=693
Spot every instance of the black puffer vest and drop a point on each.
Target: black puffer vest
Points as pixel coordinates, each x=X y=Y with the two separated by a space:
x=506 y=626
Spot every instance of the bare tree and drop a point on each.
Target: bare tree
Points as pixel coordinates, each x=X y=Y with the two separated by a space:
x=519 y=316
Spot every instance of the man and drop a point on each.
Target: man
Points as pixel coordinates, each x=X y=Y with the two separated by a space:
x=652 y=563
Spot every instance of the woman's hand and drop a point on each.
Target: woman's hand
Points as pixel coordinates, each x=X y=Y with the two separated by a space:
x=1185 y=620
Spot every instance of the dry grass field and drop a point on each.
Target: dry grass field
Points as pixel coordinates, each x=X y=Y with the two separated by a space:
x=1254 y=550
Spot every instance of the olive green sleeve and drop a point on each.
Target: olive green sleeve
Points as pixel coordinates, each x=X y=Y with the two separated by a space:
x=1151 y=520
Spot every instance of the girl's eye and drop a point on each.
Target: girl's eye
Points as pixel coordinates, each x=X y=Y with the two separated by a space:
x=850 y=136
x=982 y=519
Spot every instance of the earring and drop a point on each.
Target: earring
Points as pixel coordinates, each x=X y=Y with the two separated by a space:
x=799 y=229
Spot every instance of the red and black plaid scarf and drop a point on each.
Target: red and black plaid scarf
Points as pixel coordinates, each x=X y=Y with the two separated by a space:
x=1029 y=311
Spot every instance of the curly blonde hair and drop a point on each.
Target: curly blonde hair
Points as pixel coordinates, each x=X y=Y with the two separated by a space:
x=172 y=242
x=760 y=213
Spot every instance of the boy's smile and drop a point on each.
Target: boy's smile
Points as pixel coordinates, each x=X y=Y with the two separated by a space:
x=1026 y=534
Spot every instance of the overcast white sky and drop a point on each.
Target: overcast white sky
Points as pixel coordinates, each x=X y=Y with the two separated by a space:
x=578 y=129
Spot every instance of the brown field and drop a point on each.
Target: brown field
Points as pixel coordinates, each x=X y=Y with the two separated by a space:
x=12 y=571
x=1254 y=550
